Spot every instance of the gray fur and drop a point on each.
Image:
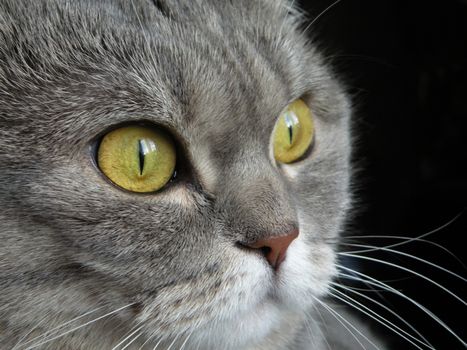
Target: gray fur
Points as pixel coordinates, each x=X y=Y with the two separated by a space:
x=217 y=75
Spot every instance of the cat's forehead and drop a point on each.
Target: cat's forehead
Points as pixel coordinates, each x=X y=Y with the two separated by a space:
x=90 y=66
x=196 y=67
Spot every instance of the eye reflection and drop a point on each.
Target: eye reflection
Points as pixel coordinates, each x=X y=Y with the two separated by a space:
x=145 y=146
x=291 y=121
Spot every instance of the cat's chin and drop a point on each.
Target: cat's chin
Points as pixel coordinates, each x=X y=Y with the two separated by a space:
x=256 y=302
x=244 y=329
x=292 y=292
x=270 y=319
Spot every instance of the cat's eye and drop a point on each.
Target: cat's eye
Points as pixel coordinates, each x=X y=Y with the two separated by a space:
x=137 y=158
x=293 y=133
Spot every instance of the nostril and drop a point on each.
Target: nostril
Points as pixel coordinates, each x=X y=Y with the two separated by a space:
x=261 y=251
x=272 y=248
x=265 y=251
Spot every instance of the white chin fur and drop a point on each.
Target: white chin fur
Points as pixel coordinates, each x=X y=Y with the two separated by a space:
x=302 y=276
x=242 y=331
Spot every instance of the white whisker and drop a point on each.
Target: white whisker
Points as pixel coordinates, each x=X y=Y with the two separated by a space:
x=407 y=270
x=186 y=340
x=133 y=340
x=323 y=323
x=417 y=238
x=335 y=314
x=321 y=14
x=381 y=320
x=28 y=333
x=367 y=290
x=374 y=281
x=56 y=328
x=403 y=254
x=405 y=241
x=127 y=337
x=173 y=342
x=157 y=344
x=385 y=308
x=149 y=339
x=79 y=327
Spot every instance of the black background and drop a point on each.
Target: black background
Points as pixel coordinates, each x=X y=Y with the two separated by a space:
x=405 y=64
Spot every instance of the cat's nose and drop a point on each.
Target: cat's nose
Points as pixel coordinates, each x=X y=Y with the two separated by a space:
x=274 y=248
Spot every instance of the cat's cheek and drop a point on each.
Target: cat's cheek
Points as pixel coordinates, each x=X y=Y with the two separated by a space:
x=305 y=274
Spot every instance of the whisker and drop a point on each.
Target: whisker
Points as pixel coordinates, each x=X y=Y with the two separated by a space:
x=173 y=342
x=407 y=270
x=309 y=330
x=321 y=14
x=406 y=240
x=417 y=238
x=148 y=340
x=186 y=340
x=323 y=323
x=381 y=320
x=371 y=288
x=133 y=340
x=335 y=314
x=308 y=327
x=374 y=281
x=32 y=330
x=385 y=308
x=57 y=327
x=128 y=337
x=403 y=254
x=81 y=326
x=157 y=344
x=367 y=290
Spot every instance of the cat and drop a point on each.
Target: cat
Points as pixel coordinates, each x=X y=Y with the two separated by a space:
x=235 y=246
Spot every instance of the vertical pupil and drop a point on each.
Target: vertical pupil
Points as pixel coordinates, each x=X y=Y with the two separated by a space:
x=141 y=156
x=289 y=122
x=290 y=133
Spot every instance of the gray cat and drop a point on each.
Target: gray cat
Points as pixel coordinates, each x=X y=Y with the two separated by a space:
x=145 y=200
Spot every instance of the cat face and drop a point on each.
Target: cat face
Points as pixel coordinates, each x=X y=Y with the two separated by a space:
x=214 y=76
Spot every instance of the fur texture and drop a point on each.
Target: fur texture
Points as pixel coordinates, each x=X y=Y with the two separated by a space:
x=217 y=75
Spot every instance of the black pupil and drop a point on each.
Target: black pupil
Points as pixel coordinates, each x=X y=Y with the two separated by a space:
x=290 y=133
x=141 y=156
x=289 y=123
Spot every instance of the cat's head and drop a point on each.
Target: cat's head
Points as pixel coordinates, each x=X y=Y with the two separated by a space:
x=213 y=75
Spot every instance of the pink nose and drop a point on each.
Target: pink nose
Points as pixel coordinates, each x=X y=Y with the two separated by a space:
x=274 y=248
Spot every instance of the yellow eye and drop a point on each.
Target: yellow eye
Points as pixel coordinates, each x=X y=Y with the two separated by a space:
x=293 y=133
x=137 y=159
